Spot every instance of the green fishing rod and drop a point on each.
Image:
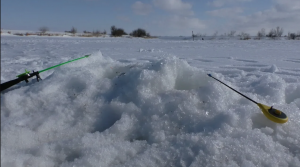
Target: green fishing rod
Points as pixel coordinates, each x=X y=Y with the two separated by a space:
x=26 y=75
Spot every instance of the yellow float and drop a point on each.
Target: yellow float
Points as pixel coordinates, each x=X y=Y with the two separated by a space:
x=270 y=112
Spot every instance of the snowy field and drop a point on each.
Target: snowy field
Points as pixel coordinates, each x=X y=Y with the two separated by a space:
x=149 y=102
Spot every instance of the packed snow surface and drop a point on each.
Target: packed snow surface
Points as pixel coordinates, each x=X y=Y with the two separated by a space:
x=149 y=102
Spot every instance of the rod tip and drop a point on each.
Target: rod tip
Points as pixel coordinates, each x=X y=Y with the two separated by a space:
x=209 y=75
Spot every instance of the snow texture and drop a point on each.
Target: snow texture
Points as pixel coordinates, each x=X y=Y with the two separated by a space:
x=149 y=102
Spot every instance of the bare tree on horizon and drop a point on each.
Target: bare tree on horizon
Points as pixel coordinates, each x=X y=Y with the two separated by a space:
x=44 y=29
x=231 y=33
x=261 y=33
x=73 y=30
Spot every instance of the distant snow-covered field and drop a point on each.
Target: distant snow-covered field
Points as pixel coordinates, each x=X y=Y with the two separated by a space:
x=149 y=102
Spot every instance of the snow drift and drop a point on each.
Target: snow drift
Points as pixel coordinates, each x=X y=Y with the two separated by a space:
x=163 y=112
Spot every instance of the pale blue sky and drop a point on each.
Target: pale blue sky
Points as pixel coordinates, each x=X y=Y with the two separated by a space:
x=159 y=17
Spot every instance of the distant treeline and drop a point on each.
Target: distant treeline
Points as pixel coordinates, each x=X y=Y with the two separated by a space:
x=274 y=33
x=114 y=32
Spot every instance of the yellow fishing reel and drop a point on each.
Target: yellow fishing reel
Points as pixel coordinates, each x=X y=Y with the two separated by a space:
x=273 y=114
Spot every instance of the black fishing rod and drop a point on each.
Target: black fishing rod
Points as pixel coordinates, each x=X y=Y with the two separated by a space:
x=270 y=112
x=26 y=75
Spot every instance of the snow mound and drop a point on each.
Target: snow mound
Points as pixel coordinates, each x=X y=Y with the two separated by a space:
x=271 y=69
x=101 y=112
